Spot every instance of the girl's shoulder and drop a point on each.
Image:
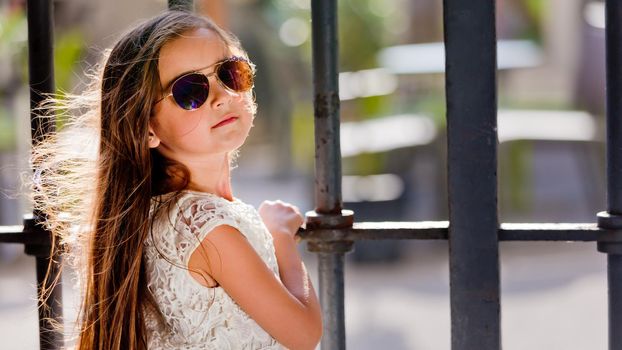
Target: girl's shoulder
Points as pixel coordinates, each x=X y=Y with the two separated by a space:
x=184 y=200
x=192 y=203
x=195 y=209
x=200 y=213
x=184 y=219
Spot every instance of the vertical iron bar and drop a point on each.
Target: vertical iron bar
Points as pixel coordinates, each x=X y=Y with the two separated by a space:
x=326 y=102
x=41 y=64
x=332 y=296
x=51 y=310
x=328 y=169
x=470 y=46
x=183 y=5
x=613 y=33
x=41 y=79
x=614 y=271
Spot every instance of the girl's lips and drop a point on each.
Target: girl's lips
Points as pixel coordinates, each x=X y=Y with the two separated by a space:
x=225 y=122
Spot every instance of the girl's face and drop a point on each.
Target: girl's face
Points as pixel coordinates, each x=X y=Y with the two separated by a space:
x=218 y=126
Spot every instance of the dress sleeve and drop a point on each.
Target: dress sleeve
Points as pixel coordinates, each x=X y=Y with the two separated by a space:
x=197 y=217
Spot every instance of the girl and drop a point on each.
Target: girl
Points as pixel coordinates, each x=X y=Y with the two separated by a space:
x=170 y=258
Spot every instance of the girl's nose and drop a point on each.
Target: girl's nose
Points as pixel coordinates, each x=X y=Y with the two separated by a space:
x=218 y=96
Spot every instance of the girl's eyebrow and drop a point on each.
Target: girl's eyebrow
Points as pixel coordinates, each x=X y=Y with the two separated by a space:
x=168 y=85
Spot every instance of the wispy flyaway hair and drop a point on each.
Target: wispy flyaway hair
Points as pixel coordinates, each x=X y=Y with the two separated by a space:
x=95 y=179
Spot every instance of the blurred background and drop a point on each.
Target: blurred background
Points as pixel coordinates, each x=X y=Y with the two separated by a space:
x=551 y=154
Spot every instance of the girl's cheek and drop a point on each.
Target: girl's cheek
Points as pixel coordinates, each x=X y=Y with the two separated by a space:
x=184 y=125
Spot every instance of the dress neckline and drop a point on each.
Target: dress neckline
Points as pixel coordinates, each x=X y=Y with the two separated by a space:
x=212 y=195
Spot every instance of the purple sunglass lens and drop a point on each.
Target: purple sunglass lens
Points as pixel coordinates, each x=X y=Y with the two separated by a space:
x=191 y=91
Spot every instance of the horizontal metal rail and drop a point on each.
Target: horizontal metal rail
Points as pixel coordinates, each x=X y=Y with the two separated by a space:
x=17 y=234
x=438 y=230
x=420 y=230
x=582 y=232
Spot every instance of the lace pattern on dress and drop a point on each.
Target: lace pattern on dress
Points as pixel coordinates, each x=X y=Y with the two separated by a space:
x=198 y=317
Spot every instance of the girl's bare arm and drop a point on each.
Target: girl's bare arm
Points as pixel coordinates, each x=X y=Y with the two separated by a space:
x=282 y=221
x=287 y=309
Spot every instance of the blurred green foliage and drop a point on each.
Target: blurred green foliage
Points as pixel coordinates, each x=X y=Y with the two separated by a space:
x=13 y=31
x=363 y=30
x=367 y=26
x=302 y=136
x=535 y=11
x=7 y=133
x=519 y=166
x=68 y=50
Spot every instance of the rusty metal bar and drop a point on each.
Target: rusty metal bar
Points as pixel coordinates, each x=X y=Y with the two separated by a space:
x=331 y=288
x=328 y=212
x=326 y=106
x=470 y=87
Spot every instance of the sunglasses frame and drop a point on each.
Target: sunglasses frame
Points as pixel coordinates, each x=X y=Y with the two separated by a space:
x=214 y=72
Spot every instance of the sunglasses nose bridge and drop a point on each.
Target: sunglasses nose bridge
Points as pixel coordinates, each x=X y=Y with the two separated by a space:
x=218 y=91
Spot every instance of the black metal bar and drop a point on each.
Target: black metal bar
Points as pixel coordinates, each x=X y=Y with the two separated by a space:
x=438 y=230
x=614 y=105
x=470 y=83
x=17 y=234
x=40 y=64
x=41 y=77
x=611 y=242
x=49 y=304
x=582 y=232
x=614 y=271
x=49 y=288
x=183 y=5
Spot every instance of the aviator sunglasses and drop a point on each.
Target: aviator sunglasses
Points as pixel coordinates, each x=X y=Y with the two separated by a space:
x=190 y=91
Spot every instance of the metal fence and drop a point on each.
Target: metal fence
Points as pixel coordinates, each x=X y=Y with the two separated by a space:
x=473 y=230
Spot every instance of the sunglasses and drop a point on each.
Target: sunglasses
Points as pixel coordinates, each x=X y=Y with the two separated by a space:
x=190 y=91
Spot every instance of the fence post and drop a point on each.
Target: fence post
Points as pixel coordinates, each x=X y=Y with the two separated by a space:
x=328 y=212
x=610 y=242
x=470 y=85
x=41 y=79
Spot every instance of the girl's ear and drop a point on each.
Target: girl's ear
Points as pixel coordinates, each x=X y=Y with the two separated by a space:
x=153 y=140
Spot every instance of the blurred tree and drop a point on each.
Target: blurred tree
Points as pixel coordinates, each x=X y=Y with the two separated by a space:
x=520 y=19
x=12 y=53
x=425 y=23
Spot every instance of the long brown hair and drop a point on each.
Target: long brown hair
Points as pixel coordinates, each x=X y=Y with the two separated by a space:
x=110 y=194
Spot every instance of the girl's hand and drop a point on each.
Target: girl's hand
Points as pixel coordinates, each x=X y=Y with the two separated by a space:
x=281 y=218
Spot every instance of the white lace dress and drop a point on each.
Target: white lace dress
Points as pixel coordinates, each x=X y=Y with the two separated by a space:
x=198 y=317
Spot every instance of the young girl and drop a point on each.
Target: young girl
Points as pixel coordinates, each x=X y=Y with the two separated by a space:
x=170 y=258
